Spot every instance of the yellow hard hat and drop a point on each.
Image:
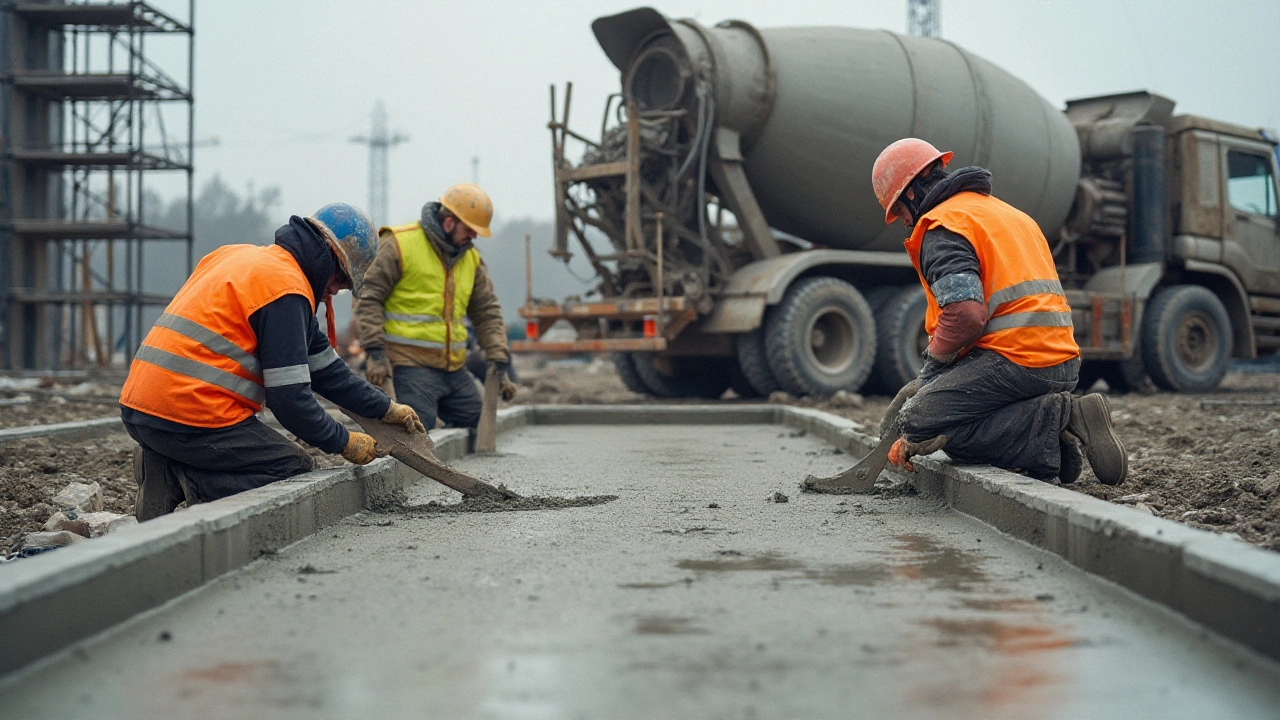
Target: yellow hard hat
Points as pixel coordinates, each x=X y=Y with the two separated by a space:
x=471 y=205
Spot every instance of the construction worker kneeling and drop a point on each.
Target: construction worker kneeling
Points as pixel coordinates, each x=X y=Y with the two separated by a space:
x=1002 y=358
x=242 y=334
x=426 y=277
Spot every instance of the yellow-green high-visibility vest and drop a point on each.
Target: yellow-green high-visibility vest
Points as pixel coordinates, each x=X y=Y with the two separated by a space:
x=425 y=309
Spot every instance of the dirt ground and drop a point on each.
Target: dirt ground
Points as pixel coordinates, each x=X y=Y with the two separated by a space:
x=33 y=471
x=1211 y=460
x=44 y=401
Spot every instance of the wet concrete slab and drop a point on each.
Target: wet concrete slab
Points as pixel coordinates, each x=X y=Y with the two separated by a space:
x=694 y=594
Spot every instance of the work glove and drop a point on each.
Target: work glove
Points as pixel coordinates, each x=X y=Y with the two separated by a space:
x=903 y=450
x=401 y=414
x=506 y=388
x=360 y=449
x=377 y=368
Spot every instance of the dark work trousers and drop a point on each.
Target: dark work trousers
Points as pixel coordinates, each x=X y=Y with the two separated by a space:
x=218 y=462
x=453 y=396
x=994 y=411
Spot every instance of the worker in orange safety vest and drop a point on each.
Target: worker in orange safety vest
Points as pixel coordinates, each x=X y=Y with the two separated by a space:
x=242 y=335
x=1002 y=359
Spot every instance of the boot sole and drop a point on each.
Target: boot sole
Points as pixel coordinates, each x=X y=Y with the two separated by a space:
x=1106 y=454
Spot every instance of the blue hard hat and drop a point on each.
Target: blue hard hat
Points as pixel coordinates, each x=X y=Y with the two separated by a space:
x=353 y=239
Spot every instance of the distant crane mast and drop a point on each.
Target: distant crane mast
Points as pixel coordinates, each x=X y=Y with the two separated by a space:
x=924 y=18
x=379 y=141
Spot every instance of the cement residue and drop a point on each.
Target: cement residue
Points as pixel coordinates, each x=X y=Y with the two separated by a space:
x=489 y=504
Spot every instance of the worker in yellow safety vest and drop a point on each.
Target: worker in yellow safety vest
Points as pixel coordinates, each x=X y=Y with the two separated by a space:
x=426 y=277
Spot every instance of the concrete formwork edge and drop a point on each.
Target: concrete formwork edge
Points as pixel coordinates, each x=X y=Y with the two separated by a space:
x=77 y=428
x=1226 y=585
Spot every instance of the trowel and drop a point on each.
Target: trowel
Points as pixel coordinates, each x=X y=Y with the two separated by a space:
x=861 y=477
x=418 y=452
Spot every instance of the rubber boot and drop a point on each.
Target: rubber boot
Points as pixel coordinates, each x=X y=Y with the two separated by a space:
x=1091 y=424
x=1072 y=463
x=159 y=491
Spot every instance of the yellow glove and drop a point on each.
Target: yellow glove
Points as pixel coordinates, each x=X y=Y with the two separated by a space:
x=377 y=368
x=401 y=414
x=360 y=449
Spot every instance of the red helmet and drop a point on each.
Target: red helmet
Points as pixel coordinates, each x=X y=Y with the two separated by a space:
x=898 y=165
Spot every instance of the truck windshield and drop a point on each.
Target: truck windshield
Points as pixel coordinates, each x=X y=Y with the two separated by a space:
x=1250 y=186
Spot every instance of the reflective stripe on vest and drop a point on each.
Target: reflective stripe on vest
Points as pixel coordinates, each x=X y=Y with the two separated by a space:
x=1029 y=320
x=198 y=365
x=426 y=307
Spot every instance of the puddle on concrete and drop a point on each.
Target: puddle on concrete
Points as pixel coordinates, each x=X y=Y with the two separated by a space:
x=855 y=575
x=999 y=636
x=947 y=567
x=731 y=561
x=667 y=625
x=926 y=560
x=491 y=504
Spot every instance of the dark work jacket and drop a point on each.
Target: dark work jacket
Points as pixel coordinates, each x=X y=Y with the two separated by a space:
x=289 y=335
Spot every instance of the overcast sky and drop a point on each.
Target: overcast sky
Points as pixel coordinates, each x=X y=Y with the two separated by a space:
x=284 y=84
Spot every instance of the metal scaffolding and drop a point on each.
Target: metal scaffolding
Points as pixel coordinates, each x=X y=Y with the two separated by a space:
x=88 y=115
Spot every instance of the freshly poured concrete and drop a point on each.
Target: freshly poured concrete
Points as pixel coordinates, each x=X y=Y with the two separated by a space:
x=655 y=606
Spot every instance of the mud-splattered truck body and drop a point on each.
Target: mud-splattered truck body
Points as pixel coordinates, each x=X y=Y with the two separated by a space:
x=727 y=212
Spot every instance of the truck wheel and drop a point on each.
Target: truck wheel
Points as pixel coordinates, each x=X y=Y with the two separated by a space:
x=739 y=383
x=755 y=364
x=626 y=367
x=671 y=377
x=1186 y=339
x=900 y=338
x=821 y=338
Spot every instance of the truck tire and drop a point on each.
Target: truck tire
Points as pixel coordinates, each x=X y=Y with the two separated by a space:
x=626 y=368
x=821 y=338
x=900 y=338
x=671 y=377
x=1186 y=339
x=754 y=363
x=739 y=383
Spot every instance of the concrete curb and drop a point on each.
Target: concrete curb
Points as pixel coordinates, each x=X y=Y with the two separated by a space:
x=1226 y=585
x=77 y=428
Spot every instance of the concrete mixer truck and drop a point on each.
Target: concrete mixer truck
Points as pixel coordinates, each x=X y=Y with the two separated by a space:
x=727 y=211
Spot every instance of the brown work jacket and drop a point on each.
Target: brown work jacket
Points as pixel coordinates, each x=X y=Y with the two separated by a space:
x=380 y=279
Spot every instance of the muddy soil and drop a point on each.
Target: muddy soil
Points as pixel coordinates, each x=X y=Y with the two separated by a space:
x=1208 y=460
x=44 y=401
x=33 y=471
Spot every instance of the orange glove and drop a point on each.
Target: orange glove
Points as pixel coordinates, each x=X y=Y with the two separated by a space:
x=360 y=449
x=899 y=454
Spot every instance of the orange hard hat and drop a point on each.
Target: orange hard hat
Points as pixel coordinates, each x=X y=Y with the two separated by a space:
x=898 y=165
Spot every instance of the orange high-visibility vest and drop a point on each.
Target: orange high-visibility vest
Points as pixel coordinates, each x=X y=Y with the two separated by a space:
x=199 y=364
x=1028 y=318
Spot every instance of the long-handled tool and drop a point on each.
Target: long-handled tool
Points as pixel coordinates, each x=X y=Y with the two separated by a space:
x=418 y=452
x=862 y=476
x=487 y=429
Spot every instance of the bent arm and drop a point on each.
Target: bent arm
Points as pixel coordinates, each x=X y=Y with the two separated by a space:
x=951 y=267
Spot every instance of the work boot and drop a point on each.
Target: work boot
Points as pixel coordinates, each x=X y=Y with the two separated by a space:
x=159 y=492
x=1090 y=423
x=1072 y=463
